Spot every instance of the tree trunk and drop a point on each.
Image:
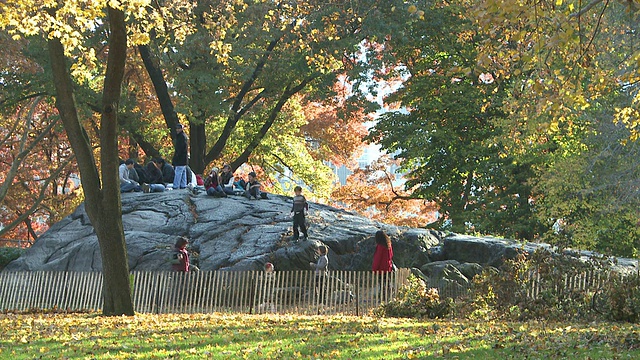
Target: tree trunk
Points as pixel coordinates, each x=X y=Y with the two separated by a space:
x=132 y=149
x=198 y=147
x=102 y=203
x=115 y=267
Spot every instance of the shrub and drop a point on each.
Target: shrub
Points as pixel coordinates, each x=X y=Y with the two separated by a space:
x=621 y=298
x=530 y=287
x=415 y=300
x=8 y=254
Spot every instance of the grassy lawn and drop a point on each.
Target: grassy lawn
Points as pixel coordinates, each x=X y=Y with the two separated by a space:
x=220 y=336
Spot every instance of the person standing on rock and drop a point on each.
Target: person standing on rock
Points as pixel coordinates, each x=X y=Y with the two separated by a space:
x=180 y=159
x=298 y=212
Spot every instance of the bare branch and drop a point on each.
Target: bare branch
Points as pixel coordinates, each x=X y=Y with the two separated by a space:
x=586 y=8
x=38 y=200
x=24 y=150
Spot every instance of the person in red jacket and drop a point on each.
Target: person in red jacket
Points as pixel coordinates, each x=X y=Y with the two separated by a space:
x=383 y=257
x=383 y=263
x=180 y=257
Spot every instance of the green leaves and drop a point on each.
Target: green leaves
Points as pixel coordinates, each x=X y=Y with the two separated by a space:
x=448 y=132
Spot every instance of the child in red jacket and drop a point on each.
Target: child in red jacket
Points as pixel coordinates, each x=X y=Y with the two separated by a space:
x=383 y=257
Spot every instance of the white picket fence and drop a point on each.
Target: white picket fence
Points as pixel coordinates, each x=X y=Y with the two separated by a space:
x=589 y=280
x=253 y=292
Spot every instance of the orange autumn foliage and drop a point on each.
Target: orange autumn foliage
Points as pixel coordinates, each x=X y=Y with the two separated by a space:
x=374 y=192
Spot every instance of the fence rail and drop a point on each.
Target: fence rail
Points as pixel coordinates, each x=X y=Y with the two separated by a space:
x=254 y=292
x=534 y=284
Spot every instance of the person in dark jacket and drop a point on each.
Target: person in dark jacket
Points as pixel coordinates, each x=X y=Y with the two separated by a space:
x=226 y=179
x=180 y=159
x=298 y=212
x=167 y=172
x=154 y=176
x=252 y=188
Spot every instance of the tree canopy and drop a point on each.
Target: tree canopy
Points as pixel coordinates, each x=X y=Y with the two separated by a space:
x=513 y=118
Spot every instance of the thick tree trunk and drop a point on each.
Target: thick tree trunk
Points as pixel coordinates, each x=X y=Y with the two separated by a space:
x=115 y=267
x=102 y=203
x=198 y=147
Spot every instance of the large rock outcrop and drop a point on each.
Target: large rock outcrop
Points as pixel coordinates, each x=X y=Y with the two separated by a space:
x=230 y=233
x=235 y=233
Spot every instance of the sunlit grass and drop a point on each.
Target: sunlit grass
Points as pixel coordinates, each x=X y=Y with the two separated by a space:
x=220 y=336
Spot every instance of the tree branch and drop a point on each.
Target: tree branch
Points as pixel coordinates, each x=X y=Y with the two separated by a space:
x=273 y=115
x=38 y=200
x=236 y=110
x=162 y=91
x=24 y=151
x=585 y=9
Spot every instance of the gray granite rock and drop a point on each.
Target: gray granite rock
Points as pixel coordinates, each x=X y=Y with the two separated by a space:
x=231 y=233
x=235 y=233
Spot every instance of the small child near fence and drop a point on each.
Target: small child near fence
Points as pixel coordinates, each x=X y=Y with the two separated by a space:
x=180 y=256
x=267 y=290
x=321 y=267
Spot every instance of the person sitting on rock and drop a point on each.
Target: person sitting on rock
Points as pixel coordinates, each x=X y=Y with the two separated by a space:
x=252 y=188
x=226 y=179
x=168 y=173
x=239 y=185
x=126 y=184
x=153 y=172
x=133 y=174
x=212 y=184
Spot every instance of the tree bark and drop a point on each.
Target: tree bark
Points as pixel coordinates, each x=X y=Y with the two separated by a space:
x=115 y=267
x=198 y=147
x=102 y=203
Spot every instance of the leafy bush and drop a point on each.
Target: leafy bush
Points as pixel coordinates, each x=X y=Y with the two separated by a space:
x=415 y=300
x=530 y=287
x=621 y=298
x=8 y=254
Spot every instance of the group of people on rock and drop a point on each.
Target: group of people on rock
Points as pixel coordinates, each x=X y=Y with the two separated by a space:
x=222 y=183
x=159 y=176
x=156 y=176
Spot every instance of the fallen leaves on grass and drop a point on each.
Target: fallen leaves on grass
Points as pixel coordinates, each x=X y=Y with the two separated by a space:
x=218 y=336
